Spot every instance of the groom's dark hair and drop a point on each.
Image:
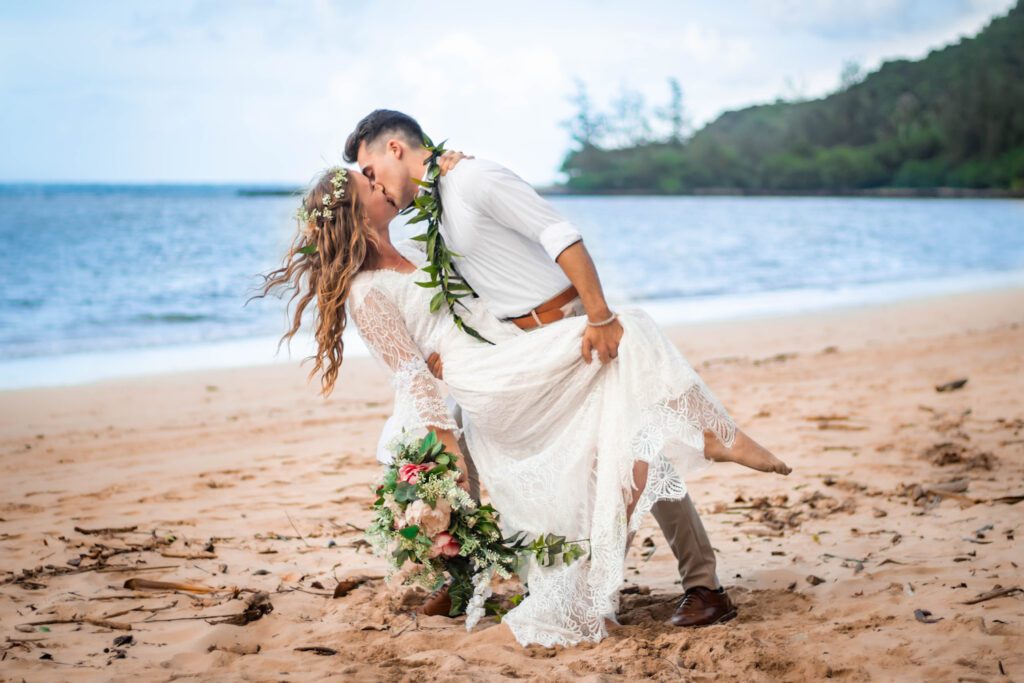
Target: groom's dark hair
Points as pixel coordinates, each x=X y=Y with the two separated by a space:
x=382 y=122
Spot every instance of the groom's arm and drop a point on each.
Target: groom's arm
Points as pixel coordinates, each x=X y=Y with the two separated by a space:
x=575 y=261
x=512 y=201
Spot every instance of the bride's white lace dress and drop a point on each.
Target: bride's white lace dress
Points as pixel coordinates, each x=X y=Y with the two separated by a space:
x=554 y=439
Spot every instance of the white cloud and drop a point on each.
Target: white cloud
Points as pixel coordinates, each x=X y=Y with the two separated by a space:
x=219 y=90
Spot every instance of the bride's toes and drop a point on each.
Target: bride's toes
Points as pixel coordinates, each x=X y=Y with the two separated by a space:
x=769 y=463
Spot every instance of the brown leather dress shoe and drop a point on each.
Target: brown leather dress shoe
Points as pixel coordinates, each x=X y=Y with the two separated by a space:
x=438 y=603
x=703 y=607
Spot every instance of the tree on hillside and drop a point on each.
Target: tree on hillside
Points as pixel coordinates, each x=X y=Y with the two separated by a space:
x=587 y=127
x=628 y=122
x=674 y=115
x=850 y=75
x=954 y=118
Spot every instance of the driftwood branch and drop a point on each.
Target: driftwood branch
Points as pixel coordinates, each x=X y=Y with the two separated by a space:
x=993 y=594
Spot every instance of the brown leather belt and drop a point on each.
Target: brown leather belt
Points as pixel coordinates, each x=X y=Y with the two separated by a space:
x=547 y=312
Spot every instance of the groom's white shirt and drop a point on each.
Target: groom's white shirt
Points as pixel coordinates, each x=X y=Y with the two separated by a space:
x=508 y=236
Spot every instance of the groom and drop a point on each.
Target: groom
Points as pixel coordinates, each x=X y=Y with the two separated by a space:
x=531 y=267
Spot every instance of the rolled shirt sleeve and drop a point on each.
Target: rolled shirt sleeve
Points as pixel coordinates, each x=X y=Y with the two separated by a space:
x=558 y=237
x=510 y=200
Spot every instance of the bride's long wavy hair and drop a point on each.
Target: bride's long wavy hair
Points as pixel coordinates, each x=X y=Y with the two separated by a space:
x=332 y=244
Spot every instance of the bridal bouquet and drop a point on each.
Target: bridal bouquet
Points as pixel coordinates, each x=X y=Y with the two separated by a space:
x=424 y=518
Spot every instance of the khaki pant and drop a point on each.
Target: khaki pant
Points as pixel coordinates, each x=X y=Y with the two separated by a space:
x=678 y=519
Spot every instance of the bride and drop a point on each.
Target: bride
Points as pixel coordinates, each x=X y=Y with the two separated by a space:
x=566 y=447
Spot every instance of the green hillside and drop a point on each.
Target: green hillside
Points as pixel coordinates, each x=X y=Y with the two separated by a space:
x=952 y=119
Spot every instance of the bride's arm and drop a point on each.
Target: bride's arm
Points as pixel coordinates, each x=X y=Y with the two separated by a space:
x=418 y=400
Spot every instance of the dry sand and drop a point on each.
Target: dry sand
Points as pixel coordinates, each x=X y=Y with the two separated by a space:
x=245 y=481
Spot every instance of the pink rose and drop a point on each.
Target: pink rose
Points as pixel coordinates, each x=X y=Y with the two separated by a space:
x=430 y=520
x=444 y=545
x=410 y=473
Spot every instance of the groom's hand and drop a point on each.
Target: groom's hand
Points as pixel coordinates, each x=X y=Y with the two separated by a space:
x=436 y=366
x=605 y=340
x=449 y=160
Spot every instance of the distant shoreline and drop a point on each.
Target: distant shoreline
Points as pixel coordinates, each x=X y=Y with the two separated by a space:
x=893 y=192
x=241 y=190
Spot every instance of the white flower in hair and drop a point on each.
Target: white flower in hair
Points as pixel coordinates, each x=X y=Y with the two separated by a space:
x=338 y=181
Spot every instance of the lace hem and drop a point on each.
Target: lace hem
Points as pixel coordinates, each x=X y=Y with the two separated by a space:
x=580 y=596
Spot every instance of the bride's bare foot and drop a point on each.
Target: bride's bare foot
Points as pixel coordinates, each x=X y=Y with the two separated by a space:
x=745 y=451
x=611 y=625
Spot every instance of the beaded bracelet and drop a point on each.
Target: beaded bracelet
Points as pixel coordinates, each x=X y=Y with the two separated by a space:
x=603 y=322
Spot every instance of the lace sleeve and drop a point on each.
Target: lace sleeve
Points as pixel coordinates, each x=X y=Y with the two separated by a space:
x=418 y=400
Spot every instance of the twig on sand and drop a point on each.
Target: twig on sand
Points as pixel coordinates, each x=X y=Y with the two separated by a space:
x=993 y=594
x=155 y=610
x=256 y=607
x=301 y=537
x=351 y=527
x=147 y=584
x=302 y=590
x=107 y=530
x=134 y=568
x=186 y=555
x=1009 y=500
x=318 y=650
x=119 y=626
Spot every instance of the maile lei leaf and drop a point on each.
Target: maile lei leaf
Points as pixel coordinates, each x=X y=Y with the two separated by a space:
x=439 y=268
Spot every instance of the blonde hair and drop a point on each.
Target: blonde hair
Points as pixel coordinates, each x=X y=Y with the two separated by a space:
x=330 y=248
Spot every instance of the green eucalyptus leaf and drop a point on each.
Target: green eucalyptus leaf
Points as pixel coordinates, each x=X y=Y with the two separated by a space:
x=428 y=442
x=405 y=492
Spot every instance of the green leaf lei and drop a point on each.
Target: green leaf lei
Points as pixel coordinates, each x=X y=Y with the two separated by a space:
x=439 y=258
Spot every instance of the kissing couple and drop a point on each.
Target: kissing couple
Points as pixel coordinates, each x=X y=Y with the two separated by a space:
x=578 y=420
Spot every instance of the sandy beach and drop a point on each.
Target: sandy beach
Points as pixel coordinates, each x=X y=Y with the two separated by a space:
x=206 y=525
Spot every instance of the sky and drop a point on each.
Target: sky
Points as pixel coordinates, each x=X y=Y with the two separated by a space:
x=266 y=91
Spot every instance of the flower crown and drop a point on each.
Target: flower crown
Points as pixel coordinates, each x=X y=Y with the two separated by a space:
x=308 y=218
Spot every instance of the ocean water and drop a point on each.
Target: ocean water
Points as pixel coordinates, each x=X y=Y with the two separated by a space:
x=100 y=281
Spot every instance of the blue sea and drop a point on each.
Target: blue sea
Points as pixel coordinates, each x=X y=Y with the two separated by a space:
x=103 y=281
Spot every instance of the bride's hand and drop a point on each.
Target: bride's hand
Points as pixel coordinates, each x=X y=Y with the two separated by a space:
x=449 y=160
x=463 y=481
